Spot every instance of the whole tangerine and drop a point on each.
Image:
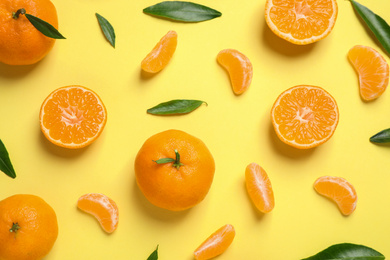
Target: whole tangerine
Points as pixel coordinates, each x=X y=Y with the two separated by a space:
x=28 y=228
x=20 y=42
x=174 y=170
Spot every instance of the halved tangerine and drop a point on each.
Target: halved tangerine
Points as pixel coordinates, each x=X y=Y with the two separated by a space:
x=259 y=188
x=301 y=22
x=103 y=208
x=339 y=190
x=216 y=243
x=239 y=67
x=305 y=116
x=372 y=69
x=72 y=117
x=161 y=54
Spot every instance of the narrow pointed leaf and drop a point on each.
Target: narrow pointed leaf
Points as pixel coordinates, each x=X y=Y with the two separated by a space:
x=154 y=255
x=381 y=137
x=164 y=160
x=5 y=162
x=107 y=29
x=44 y=27
x=182 y=11
x=377 y=24
x=347 y=251
x=176 y=106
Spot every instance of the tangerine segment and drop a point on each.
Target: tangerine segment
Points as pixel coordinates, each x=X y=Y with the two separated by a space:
x=72 y=117
x=305 y=116
x=216 y=243
x=259 y=188
x=372 y=69
x=161 y=54
x=239 y=67
x=301 y=22
x=339 y=190
x=102 y=208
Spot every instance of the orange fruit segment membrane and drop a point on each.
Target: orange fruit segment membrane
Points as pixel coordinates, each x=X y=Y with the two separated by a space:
x=339 y=190
x=161 y=54
x=216 y=243
x=72 y=117
x=305 y=116
x=301 y=22
x=259 y=188
x=372 y=69
x=239 y=67
x=103 y=208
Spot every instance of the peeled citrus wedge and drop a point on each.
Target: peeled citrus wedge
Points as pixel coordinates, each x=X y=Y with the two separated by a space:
x=102 y=208
x=161 y=54
x=259 y=187
x=339 y=190
x=216 y=243
x=372 y=69
x=239 y=67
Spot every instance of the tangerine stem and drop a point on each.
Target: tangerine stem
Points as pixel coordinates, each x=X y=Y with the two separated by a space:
x=176 y=161
x=15 y=227
x=16 y=14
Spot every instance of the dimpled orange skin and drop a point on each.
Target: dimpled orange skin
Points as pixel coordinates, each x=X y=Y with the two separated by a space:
x=166 y=186
x=20 y=42
x=38 y=228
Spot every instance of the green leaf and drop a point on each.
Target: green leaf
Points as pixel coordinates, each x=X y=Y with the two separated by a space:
x=164 y=160
x=107 y=29
x=347 y=251
x=377 y=25
x=182 y=11
x=153 y=255
x=381 y=137
x=5 y=162
x=44 y=27
x=176 y=106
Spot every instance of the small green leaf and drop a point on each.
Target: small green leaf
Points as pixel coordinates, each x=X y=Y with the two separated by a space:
x=182 y=11
x=381 y=137
x=377 y=25
x=153 y=255
x=44 y=27
x=5 y=162
x=107 y=29
x=176 y=106
x=347 y=251
x=164 y=160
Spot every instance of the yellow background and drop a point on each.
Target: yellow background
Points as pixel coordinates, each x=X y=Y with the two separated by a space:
x=236 y=129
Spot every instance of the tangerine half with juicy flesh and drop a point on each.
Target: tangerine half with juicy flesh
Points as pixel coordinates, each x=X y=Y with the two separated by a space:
x=339 y=190
x=305 y=116
x=259 y=188
x=239 y=67
x=372 y=69
x=161 y=54
x=174 y=170
x=301 y=22
x=20 y=42
x=216 y=244
x=103 y=208
x=72 y=117
x=28 y=227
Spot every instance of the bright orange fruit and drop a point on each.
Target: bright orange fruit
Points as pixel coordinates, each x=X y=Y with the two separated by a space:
x=161 y=54
x=301 y=22
x=216 y=243
x=239 y=67
x=20 y=42
x=372 y=69
x=259 y=188
x=174 y=170
x=305 y=116
x=103 y=208
x=339 y=190
x=72 y=117
x=28 y=227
